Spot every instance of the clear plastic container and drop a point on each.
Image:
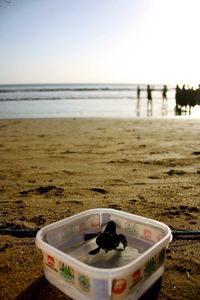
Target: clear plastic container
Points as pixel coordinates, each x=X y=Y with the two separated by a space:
x=115 y=275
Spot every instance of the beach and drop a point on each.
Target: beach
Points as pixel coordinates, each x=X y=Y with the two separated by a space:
x=54 y=168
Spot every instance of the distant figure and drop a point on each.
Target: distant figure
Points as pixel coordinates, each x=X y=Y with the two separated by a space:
x=184 y=99
x=178 y=100
x=138 y=101
x=191 y=99
x=149 y=101
x=164 y=93
x=138 y=92
x=197 y=96
x=164 y=101
x=149 y=96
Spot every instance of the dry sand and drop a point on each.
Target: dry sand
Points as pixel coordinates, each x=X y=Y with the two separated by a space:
x=51 y=167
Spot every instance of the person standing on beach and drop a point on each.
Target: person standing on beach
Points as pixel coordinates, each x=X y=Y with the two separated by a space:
x=149 y=101
x=138 y=92
x=164 y=98
x=138 y=101
x=197 y=96
x=149 y=96
x=164 y=93
x=178 y=101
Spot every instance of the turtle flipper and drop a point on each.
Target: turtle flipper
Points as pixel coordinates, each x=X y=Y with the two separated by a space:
x=95 y=251
x=123 y=240
x=89 y=236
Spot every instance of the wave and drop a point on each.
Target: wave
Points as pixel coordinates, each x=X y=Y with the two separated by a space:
x=32 y=90
x=76 y=89
x=70 y=92
x=66 y=98
x=78 y=98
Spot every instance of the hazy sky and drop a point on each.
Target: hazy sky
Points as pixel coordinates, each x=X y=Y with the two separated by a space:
x=104 y=41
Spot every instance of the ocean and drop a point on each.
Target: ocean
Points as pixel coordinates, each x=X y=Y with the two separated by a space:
x=83 y=100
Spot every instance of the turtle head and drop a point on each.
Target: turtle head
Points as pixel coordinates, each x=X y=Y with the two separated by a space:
x=110 y=227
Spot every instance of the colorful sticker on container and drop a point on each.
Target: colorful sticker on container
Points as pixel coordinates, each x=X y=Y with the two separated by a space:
x=66 y=272
x=147 y=234
x=84 y=282
x=136 y=277
x=161 y=256
x=119 y=286
x=50 y=261
x=131 y=228
x=95 y=222
x=151 y=234
x=87 y=223
x=150 y=266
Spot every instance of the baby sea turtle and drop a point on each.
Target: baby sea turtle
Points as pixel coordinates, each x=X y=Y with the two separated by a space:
x=108 y=239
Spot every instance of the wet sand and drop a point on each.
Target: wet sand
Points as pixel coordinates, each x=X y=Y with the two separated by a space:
x=55 y=168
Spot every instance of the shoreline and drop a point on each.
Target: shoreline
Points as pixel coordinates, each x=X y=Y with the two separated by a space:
x=128 y=118
x=146 y=166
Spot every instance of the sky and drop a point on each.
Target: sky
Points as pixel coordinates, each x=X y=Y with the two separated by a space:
x=99 y=41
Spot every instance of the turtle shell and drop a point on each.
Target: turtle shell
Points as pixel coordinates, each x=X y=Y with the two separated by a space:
x=108 y=241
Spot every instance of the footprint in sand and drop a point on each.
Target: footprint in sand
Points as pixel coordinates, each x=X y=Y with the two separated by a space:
x=176 y=172
x=43 y=190
x=196 y=152
x=114 y=206
x=98 y=190
x=185 y=210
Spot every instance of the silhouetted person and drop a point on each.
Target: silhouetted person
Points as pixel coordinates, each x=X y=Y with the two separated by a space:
x=191 y=99
x=149 y=96
x=149 y=100
x=164 y=101
x=197 y=96
x=138 y=100
x=183 y=98
x=138 y=92
x=164 y=92
x=178 y=100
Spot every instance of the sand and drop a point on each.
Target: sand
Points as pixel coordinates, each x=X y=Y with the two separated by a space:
x=55 y=168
